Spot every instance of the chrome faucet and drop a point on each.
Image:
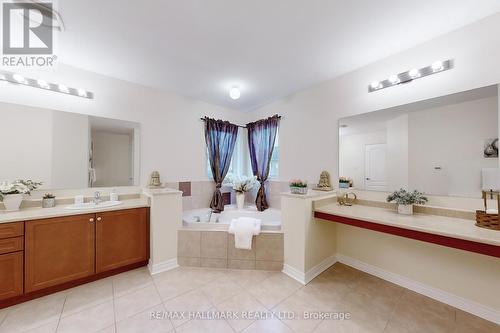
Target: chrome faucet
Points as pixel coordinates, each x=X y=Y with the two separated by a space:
x=210 y=215
x=97 y=197
x=346 y=201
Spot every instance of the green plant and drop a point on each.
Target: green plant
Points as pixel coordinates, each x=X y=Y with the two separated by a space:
x=298 y=183
x=344 y=180
x=404 y=197
x=48 y=196
x=19 y=186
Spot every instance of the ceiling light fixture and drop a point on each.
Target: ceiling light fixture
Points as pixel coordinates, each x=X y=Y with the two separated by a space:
x=412 y=74
x=234 y=93
x=42 y=84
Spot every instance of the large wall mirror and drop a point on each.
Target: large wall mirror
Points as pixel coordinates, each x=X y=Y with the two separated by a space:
x=67 y=150
x=439 y=146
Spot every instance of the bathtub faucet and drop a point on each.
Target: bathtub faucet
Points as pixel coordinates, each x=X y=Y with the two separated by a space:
x=210 y=215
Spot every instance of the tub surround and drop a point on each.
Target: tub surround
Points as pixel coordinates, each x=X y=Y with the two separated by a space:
x=215 y=249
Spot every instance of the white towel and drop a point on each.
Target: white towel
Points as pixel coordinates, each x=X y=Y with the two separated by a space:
x=244 y=228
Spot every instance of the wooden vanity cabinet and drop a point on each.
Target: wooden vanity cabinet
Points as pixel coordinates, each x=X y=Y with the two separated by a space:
x=58 y=250
x=121 y=238
x=11 y=259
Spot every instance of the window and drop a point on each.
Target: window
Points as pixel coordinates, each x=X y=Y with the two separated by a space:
x=275 y=158
x=240 y=161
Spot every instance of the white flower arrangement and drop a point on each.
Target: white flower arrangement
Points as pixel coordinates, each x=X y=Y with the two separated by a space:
x=241 y=184
x=19 y=186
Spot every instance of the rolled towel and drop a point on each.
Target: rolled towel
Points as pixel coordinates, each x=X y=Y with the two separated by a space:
x=244 y=228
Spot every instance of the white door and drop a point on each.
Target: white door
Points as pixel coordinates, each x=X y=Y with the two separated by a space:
x=375 y=167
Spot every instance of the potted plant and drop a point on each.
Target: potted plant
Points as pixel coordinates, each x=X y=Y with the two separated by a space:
x=298 y=186
x=406 y=200
x=345 y=182
x=48 y=200
x=240 y=187
x=12 y=194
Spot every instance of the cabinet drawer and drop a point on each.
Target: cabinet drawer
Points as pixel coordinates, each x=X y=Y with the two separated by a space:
x=8 y=245
x=8 y=230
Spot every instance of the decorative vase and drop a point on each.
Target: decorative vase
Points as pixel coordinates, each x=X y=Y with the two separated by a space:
x=298 y=190
x=12 y=202
x=240 y=200
x=405 y=209
x=48 y=202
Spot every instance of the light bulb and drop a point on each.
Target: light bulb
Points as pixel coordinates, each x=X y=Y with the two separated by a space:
x=19 y=78
x=234 y=93
x=375 y=84
x=82 y=93
x=414 y=73
x=43 y=84
x=437 y=66
x=63 y=88
x=394 y=79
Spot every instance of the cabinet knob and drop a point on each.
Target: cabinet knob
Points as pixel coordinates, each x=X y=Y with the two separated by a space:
x=91 y=219
x=99 y=219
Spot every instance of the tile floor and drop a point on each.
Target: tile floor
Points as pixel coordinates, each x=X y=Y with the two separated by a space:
x=125 y=302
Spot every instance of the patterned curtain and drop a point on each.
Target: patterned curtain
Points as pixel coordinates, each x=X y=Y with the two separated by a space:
x=261 y=137
x=220 y=137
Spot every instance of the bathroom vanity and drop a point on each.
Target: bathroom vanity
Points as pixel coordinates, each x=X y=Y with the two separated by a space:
x=48 y=253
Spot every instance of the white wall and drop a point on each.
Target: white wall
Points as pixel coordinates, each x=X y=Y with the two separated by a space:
x=397 y=153
x=308 y=130
x=70 y=150
x=172 y=139
x=25 y=144
x=452 y=137
x=352 y=153
x=112 y=159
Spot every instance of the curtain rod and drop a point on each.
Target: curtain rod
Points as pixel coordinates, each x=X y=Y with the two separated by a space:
x=279 y=117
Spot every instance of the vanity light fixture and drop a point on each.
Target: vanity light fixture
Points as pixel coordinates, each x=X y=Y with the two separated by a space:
x=412 y=74
x=42 y=84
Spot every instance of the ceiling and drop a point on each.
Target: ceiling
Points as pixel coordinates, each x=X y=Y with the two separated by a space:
x=268 y=48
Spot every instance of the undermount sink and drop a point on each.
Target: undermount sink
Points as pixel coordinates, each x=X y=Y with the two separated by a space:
x=92 y=205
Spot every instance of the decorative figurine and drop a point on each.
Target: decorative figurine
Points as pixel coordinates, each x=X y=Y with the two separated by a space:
x=324 y=182
x=155 y=179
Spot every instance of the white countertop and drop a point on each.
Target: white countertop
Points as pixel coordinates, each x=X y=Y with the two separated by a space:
x=37 y=213
x=433 y=224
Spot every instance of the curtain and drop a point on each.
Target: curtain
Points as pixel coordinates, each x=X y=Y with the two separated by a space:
x=261 y=137
x=220 y=137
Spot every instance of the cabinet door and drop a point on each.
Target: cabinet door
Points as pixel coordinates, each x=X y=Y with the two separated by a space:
x=58 y=250
x=11 y=275
x=121 y=238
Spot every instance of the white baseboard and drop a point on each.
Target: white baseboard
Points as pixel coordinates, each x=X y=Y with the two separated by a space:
x=432 y=292
x=305 y=278
x=162 y=266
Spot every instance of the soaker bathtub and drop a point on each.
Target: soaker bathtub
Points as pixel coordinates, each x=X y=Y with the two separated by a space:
x=199 y=218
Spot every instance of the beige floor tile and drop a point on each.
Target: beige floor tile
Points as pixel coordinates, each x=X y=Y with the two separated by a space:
x=220 y=290
x=466 y=322
x=205 y=326
x=299 y=306
x=33 y=314
x=87 y=295
x=47 y=328
x=379 y=304
x=326 y=299
x=109 y=329
x=274 y=289
x=374 y=286
x=268 y=326
x=135 y=302
x=337 y=288
x=247 y=278
x=346 y=326
x=90 y=320
x=131 y=281
x=192 y=301
x=243 y=304
x=145 y=322
x=3 y=314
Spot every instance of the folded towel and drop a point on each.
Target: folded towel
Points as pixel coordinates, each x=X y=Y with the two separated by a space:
x=244 y=228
